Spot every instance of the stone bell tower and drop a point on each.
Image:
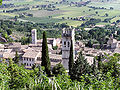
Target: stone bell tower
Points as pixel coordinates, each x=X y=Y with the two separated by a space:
x=67 y=36
x=34 y=36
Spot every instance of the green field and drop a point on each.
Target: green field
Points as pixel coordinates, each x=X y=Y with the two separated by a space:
x=42 y=20
x=41 y=16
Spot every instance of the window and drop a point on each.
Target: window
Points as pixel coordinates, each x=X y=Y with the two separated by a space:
x=33 y=59
x=27 y=64
x=30 y=64
x=65 y=43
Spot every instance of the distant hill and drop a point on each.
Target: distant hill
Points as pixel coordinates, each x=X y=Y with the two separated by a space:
x=103 y=0
x=67 y=0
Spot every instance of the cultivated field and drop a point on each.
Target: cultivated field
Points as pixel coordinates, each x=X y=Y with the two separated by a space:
x=42 y=16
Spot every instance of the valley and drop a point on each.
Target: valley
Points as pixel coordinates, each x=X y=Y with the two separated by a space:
x=73 y=13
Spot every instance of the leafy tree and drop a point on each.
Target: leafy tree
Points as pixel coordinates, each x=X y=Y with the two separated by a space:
x=63 y=17
x=1 y=2
x=16 y=77
x=71 y=59
x=13 y=74
x=9 y=31
x=58 y=69
x=112 y=65
x=111 y=8
x=96 y=12
x=80 y=67
x=19 y=77
x=106 y=14
x=89 y=44
x=25 y=40
x=55 y=47
x=45 y=56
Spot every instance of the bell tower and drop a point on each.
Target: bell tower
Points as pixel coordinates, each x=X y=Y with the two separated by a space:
x=67 y=36
x=34 y=36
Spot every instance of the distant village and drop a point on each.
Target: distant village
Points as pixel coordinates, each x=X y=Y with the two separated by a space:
x=31 y=54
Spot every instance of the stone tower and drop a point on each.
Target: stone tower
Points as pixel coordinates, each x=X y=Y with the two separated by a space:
x=67 y=36
x=34 y=36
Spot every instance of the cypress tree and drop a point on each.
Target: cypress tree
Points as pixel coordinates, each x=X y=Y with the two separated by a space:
x=16 y=59
x=71 y=58
x=100 y=62
x=94 y=68
x=45 y=56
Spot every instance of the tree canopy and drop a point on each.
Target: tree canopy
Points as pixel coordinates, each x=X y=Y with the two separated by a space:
x=1 y=1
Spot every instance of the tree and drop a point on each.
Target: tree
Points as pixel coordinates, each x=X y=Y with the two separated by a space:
x=112 y=65
x=80 y=67
x=71 y=59
x=94 y=68
x=106 y=14
x=96 y=12
x=68 y=17
x=89 y=44
x=1 y=2
x=63 y=17
x=100 y=62
x=55 y=47
x=13 y=75
x=45 y=56
x=18 y=76
x=58 y=69
x=16 y=59
x=111 y=8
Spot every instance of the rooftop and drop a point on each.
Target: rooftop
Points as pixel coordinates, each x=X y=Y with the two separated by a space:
x=31 y=54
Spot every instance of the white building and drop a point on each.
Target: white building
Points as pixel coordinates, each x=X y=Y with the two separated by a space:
x=30 y=57
x=67 y=36
x=34 y=36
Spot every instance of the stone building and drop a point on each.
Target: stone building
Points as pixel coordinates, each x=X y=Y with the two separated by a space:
x=112 y=43
x=67 y=36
